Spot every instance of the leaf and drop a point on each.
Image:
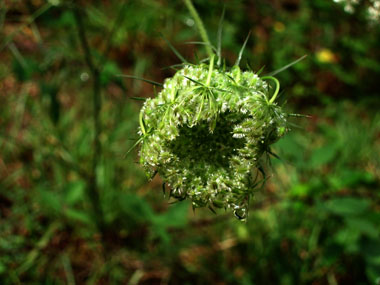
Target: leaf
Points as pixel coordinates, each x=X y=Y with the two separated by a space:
x=138 y=98
x=300 y=190
x=174 y=50
x=363 y=226
x=349 y=239
x=175 y=217
x=212 y=210
x=107 y=73
x=200 y=43
x=286 y=66
x=194 y=81
x=373 y=273
x=139 y=78
x=347 y=206
x=323 y=155
x=275 y=155
x=261 y=70
x=74 y=192
x=78 y=216
x=135 y=208
x=349 y=178
x=175 y=66
x=3 y=268
x=50 y=202
x=42 y=243
x=25 y=69
x=242 y=50
x=371 y=251
x=133 y=146
x=219 y=36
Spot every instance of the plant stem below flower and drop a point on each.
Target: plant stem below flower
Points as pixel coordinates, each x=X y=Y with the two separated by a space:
x=200 y=26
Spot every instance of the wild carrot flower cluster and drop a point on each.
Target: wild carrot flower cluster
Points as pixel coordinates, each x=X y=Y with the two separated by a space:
x=206 y=131
x=373 y=7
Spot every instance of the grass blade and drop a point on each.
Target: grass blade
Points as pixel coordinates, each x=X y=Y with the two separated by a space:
x=139 y=78
x=37 y=251
x=260 y=70
x=174 y=50
x=299 y=115
x=273 y=154
x=201 y=43
x=219 y=38
x=134 y=145
x=295 y=126
x=287 y=66
x=242 y=50
x=193 y=80
x=200 y=26
x=212 y=209
x=175 y=66
x=138 y=98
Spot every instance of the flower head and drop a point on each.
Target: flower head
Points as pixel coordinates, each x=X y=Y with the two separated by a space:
x=205 y=133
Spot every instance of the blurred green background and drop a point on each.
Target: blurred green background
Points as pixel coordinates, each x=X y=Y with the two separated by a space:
x=74 y=210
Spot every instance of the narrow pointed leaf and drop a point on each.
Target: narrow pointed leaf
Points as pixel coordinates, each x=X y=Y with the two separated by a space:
x=134 y=145
x=174 y=66
x=295 y=126
x=299 y=115
x=193 y=80
x=274 y=155
x=163 y=189
x=212 y=210
x=138 y=98
x=174 y=50
x=260 y=70
x=242 y=50
x=287 y=66
x=261 y=169
x=205 y=59
x=200 y=43
x=249 y=67
x=153 y=175
x=219 y=35
x=231 y=78
x=139 y=78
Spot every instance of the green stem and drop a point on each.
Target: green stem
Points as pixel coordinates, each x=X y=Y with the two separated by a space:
x=142 y=123
x=93 y=189
x=200 y=26
x=211 y=67
x=238 y=74
x=108 y=42
x=277 y=87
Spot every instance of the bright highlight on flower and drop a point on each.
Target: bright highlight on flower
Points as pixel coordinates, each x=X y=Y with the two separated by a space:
x=206 y=131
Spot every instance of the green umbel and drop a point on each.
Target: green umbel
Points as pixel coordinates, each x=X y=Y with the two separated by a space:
x=205 y=132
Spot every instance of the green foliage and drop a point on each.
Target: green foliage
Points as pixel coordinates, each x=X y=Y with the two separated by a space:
x=315 y=222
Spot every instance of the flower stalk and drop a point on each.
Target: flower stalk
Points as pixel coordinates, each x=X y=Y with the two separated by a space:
x=200 y=26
